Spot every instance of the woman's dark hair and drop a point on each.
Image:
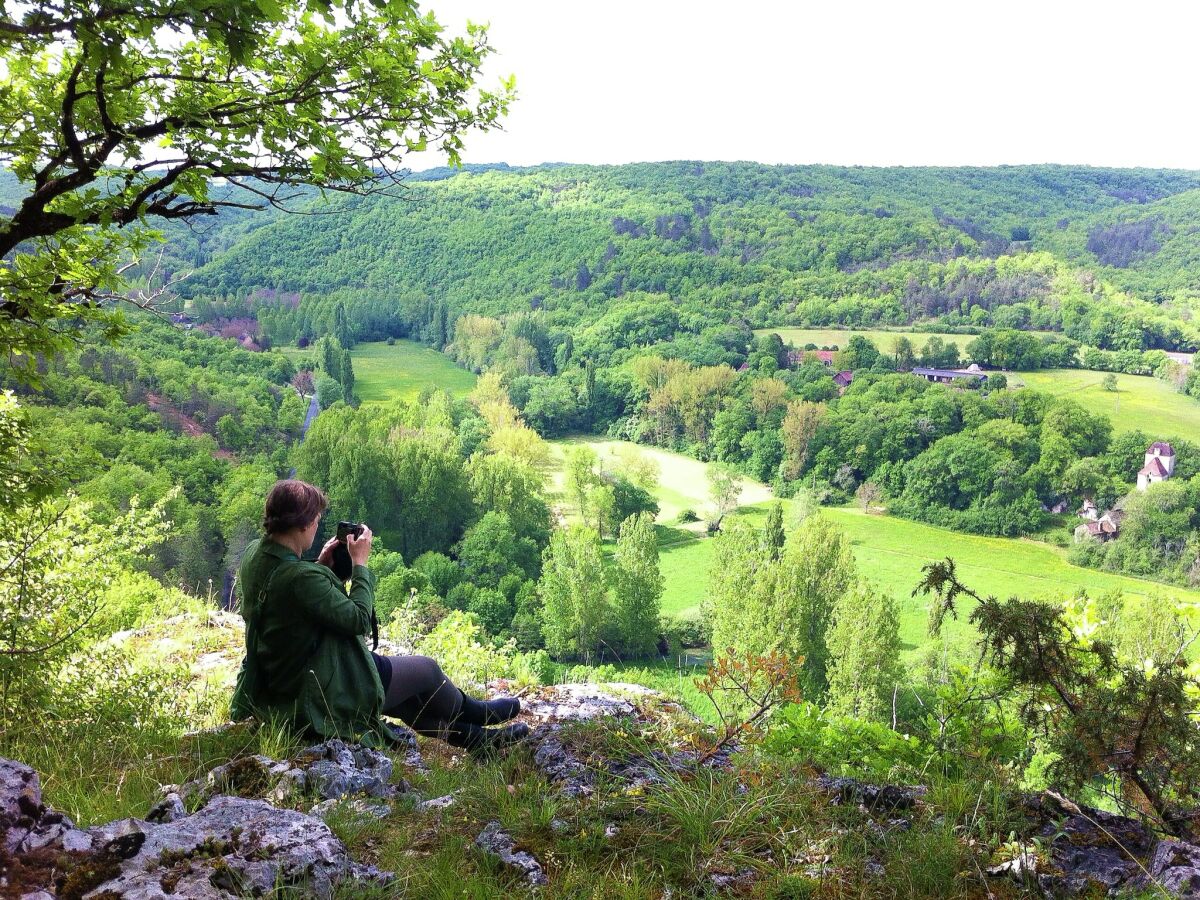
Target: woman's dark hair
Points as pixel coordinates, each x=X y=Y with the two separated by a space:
x=292 y=504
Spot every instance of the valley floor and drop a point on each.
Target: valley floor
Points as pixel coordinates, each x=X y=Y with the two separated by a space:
x=890 y=551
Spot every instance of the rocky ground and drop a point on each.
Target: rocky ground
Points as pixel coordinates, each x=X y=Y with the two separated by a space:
x=256 y=825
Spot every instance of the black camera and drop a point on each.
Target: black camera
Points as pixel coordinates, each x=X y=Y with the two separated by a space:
x=343 y=566
x=345 y=529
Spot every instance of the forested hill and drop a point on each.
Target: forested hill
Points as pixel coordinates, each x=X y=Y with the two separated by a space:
x=1045 y=247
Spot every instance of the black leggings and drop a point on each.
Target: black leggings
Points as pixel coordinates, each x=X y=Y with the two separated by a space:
x=419 y=693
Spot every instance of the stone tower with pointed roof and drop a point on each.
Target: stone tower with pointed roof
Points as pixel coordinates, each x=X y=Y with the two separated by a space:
x=1160 y=465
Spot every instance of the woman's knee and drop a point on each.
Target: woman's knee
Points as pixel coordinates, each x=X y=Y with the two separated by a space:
x=428 y=672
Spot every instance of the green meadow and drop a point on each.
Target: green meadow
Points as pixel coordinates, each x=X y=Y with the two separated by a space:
x=891 y=553
x=1140 y=402
x=682 y=481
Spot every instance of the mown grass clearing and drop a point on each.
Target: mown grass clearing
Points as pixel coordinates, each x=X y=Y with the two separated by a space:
x=682 y=482
x=1140 y=402
x=385 y=372
x=884 y=340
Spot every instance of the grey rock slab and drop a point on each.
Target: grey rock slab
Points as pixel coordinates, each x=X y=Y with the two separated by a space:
x=437 y=803
x=724 y=881
x=168 y=809
x=872 y=796
x=498 y=843
x=560 y=766
x=1176 y=866
x=20 y=791
x=291 y=782
x=378 y=809
x=335 y=769
x=566 y=702
x=232 y=847
x=21 y=806
x=1085 y=867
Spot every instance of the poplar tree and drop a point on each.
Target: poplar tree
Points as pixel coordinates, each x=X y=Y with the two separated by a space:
x=816 y=569
x=347 y=379
x=341 y=326
x=638 y=585
x=864 y=653
x=761 y=605
x=330 y=359
x=740 y=585
x=773 y=535
x=573 y=592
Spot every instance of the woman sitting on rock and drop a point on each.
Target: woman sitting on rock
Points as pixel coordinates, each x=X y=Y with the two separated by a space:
x=306 y=659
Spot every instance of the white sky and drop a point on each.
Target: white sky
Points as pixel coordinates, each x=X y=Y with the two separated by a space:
x=923 y=82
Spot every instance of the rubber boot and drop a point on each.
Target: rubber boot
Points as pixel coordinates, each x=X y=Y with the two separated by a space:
x=480 y=741
x=488 y=712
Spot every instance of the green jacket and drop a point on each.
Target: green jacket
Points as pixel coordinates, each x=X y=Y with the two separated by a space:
x=306 y=660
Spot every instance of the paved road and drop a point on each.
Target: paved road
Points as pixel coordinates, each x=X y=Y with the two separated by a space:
x=313 y=409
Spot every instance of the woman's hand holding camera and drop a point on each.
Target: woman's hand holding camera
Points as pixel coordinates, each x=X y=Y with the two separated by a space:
x=326 y=556
x=359 y=547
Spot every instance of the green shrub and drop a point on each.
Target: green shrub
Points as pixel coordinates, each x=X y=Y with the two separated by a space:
x=589 y=674
x=845 y=746
x=463 y=650
x=534 y=668
x=686 y=629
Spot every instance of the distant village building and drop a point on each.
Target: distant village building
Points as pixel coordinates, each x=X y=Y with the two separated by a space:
x=1184 y=359
x=1160 y=465
x=842 y=379
x=949 y=376
x=1088 y=510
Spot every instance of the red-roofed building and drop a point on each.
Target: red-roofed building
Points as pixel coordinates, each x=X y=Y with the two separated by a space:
x=1160 y=465
x=799 y=357
x=843 y=379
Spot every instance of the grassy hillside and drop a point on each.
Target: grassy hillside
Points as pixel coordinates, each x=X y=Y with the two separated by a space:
x=1140 y=402
x=682 y=482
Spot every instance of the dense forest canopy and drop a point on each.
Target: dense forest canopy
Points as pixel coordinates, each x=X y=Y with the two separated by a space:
x=1102 y=255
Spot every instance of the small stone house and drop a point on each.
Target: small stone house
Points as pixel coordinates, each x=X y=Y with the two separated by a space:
x=1097 y=526
x=1102 y=530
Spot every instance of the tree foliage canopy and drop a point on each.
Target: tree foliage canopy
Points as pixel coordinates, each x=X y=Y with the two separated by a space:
x=114 y=114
